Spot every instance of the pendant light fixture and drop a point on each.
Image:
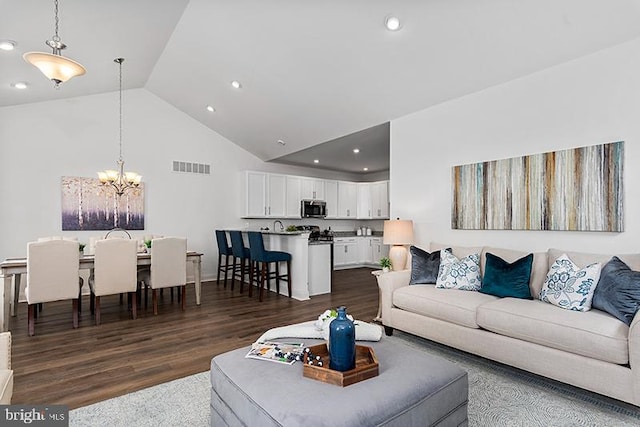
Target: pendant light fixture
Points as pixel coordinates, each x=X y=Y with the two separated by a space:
x=118 y=179
x=56 y=67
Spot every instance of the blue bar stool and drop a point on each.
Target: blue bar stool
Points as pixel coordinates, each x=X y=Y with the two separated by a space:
x=243 y=254
x=223 y=250
x=261 y=256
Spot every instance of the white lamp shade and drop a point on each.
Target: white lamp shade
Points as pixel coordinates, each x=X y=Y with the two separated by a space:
x=57 y=68
x=398 y=232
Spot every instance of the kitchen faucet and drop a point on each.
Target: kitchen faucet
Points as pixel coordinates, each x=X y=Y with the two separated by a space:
x=277 y=221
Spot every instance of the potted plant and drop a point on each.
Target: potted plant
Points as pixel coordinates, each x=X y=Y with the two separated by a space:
x=81 y=248
x=385 y=263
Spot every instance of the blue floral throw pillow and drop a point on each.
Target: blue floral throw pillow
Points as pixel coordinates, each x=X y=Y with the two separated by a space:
x=454 y=273
x=570 y=287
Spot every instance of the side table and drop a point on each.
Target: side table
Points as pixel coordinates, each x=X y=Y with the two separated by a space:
x=378 y=317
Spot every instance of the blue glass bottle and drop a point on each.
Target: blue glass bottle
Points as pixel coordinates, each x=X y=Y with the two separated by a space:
x=342 y=342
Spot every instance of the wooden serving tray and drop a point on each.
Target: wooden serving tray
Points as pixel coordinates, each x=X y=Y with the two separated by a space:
x=366 y=367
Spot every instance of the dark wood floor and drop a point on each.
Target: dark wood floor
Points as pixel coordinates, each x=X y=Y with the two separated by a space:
x=60 y=365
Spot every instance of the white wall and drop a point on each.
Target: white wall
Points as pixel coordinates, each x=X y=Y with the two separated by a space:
x=592 y=100
x=41 y=142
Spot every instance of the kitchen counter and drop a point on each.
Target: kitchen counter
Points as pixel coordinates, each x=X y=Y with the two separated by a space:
x=354 y=234
x=283 y=233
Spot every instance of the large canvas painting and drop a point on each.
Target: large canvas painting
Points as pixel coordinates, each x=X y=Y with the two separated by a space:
x=576 y=189
x=87 y=204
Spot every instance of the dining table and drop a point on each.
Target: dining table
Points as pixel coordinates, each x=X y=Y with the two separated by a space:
x=13 y=268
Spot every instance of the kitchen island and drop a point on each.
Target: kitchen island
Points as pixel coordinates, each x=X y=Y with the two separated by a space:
x=310 y=274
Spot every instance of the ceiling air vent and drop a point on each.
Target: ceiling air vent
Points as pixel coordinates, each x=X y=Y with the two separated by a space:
x=190 y=167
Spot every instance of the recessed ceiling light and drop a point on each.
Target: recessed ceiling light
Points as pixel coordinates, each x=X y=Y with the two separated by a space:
x=236 y=84
x=316 y=161
x=356 y=150
x=20 y=85
x=392 y=23
x=7 y=45
x=211 y=109
x=365 y=169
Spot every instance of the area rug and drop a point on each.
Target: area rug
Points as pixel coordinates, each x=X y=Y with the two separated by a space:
x=499 y=395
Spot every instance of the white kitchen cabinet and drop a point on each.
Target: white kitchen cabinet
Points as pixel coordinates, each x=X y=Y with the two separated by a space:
x=312 y=188
x=345 y=251
x=364 y=201
x=294 y=196
x=373 y=200
x=347 y=199
x=379 y=199
x=378 y=250
x=255 y=205
x=370 y=250
x=276 y=195
x=331 y=197
x=265 y=195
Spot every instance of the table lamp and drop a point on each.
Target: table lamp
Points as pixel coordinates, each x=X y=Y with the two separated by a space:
x=398 y=233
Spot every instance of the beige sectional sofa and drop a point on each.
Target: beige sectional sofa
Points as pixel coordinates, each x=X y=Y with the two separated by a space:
x=592 y=350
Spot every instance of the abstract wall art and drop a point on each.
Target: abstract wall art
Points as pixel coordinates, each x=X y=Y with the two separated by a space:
x=89 y=205
x=579 y=189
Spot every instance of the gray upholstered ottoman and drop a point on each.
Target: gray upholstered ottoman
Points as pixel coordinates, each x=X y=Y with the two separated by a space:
x=412 y=389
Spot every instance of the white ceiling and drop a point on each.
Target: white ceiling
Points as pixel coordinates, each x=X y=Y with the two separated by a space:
x=312 y=71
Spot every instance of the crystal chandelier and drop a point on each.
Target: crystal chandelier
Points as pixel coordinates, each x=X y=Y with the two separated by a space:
x=56 y=67
x=120 y=180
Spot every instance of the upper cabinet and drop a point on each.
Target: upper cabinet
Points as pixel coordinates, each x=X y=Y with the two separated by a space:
x=269 y=195
x=380 y=199
x=265 y=195
x=347 y=203
x=331 y=197
x=294 y=191
x=312 y=188
x=373 y=200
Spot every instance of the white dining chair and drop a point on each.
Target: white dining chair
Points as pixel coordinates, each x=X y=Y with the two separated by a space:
x=52 y=275
x=168 y=267
x=115 y=272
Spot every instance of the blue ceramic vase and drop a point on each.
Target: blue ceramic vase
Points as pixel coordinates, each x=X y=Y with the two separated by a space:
x=342 y=342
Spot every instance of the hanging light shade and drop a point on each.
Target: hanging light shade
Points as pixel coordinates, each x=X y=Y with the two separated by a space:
x=120 y=180
x=56 y=67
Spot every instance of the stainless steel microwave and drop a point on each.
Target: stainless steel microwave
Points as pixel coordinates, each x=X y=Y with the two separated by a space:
x=313 y=209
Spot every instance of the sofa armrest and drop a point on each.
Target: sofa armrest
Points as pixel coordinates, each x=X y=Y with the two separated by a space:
x=388 y=283
x=634 y=354
x=5 y=350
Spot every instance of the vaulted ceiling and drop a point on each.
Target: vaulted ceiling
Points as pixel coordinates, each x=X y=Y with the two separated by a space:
x=310 y=71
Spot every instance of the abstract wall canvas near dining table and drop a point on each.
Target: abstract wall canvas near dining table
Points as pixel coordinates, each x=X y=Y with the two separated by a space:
x=579 y=189
x=87 y=204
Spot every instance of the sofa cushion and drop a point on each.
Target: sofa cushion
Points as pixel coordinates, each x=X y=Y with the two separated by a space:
x=618 y=291
x=424 y=266
x=592 y=334
x=539 y=266
x=450 y=305
x=569 y=286
x=504 y=279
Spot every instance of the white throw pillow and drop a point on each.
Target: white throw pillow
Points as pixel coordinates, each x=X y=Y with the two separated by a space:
x=570 y=287
x=454 y=273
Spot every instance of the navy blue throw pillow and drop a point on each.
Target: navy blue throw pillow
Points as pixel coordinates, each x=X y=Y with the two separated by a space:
x=424 y=266
x=504 y=279
x=618 y=291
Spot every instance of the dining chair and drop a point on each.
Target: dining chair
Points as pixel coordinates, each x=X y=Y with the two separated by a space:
x=261 y=259
x=52 y=275
x=168 y=267
x=243 y=254
x=226 y=251
x=115 y=272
